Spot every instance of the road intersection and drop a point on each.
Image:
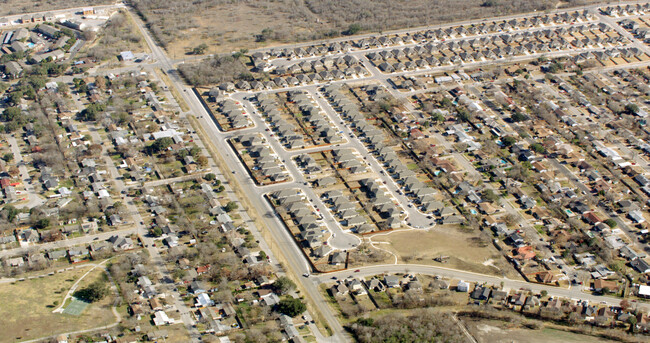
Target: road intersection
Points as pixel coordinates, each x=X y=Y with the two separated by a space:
x=296 y=261
x=292 y=253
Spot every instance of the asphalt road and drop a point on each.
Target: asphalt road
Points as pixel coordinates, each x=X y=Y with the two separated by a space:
x=296 y=261
x=592 y=8
x=571 y=293
x=34 y=199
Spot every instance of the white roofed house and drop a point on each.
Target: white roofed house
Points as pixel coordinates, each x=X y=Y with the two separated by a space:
x=160 y=318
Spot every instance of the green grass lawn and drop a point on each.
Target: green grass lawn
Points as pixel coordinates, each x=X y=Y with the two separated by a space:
x=382 y=299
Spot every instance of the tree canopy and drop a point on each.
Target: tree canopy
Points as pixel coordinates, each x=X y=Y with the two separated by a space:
x=283 y=285
x=231 y=206
x=161 y=144
x=94 y=292
x=92 y=111
x=421 y=326
x=291 y=307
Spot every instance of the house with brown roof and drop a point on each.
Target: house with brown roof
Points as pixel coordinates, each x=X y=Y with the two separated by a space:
x=203 y=269
x=601 y=285
x=487 y=208
x=524 y=253
x=444 y=165
x=546 y=277
x=156 y=304
x=591 y=218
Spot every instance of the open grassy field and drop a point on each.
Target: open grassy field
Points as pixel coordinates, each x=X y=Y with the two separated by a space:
x=228 y=25
x=26 y=311
x=493 y=332
x=416 y=246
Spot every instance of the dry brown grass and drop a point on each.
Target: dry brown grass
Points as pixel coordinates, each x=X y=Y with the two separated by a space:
x=416 y=246
x=229 y=25
x=25 y=314
x=497 y=332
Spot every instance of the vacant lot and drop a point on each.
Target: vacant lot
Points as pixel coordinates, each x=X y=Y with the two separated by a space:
x=119 y=34
x=26 y=311
x=462 y=250
x=227 y=25
x=8 y=7
x=493 y=332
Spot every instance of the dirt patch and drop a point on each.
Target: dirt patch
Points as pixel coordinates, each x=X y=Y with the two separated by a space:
x=490 y=331
x=449 y=245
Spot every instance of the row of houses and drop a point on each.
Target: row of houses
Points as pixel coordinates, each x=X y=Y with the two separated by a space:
x=41 y=17
x=326 y=69
x=73 y=254
x=595 y=314
x=606 y=55
x=626 y=10
x=235 y=114
x=347 y=211
x=288 y=134
x=265 y=160
x=484 y=49
x=290 y=80
x=425 y=36
x=313 y=117
x=307 y=220
x=374 y=139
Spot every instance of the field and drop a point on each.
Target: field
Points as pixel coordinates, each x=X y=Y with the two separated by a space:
x=26 y=310
x=491 y=331
x=8 y=7
x=416 y=246
x=229 y=25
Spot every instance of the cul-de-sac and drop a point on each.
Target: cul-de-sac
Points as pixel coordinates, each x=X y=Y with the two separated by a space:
x=324 y=171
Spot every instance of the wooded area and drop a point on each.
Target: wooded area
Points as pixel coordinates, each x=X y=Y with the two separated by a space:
x=214 y=71
x=422 y=326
